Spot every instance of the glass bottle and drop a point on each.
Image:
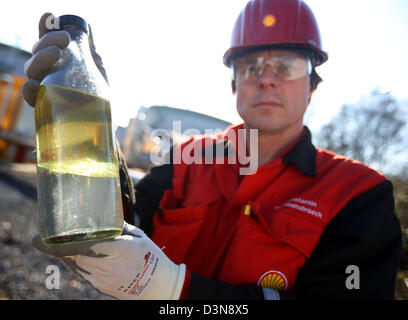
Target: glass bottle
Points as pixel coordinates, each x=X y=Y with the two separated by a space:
x=79 y=196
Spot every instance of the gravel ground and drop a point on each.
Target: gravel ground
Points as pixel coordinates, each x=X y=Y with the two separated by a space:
x=22 y=268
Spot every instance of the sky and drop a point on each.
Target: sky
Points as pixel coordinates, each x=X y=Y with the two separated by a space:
x=164 y=52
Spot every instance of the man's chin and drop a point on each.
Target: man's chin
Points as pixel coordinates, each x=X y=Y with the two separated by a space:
x=265 y=126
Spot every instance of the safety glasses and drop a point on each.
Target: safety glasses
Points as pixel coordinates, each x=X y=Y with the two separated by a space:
x=284 y=67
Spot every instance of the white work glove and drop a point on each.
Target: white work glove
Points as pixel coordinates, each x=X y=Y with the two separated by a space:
x=128 y=267
x=46 y=53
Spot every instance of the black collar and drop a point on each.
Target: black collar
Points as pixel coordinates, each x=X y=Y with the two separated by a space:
x=303 y=155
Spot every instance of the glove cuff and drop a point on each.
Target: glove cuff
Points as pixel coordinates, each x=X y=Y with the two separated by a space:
x=180 y=281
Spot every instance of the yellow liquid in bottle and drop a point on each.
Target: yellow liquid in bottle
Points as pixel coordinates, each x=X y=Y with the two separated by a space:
x=78 y=178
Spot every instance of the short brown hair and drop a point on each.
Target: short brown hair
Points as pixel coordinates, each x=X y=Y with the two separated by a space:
x=315 y=79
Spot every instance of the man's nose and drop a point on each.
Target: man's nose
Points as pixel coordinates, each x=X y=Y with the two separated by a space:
x=267 y=78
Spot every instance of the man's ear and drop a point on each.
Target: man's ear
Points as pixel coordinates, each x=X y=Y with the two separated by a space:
x=233 y=86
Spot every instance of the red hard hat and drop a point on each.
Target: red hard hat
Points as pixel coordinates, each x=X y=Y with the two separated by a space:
x=275 y=23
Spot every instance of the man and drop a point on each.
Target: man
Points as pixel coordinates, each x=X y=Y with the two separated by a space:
x=304 y=224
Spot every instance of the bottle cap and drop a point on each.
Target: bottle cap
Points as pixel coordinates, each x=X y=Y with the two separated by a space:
x=71 y=20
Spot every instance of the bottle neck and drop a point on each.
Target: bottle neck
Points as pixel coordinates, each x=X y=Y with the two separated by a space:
x=76 y=68
x=79 y=45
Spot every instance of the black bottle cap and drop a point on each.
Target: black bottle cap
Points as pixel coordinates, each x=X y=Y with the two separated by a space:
x=71 y=20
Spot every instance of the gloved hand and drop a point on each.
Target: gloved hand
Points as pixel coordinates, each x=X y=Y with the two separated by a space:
x=129 y=266
x=46 y=53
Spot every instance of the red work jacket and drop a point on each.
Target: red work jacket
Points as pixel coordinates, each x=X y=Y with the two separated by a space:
x=259 y=228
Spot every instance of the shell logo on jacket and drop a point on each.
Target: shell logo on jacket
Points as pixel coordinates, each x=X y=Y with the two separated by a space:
x=274 y=280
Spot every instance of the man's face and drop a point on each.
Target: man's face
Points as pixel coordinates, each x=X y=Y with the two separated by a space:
x=265 y=99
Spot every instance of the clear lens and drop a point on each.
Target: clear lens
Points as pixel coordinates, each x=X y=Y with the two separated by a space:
x=285 y=67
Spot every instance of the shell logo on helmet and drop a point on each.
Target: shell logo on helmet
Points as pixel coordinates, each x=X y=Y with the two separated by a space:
x=273 y=279
x=269 y=20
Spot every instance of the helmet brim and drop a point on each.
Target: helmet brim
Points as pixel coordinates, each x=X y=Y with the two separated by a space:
x=319 y=56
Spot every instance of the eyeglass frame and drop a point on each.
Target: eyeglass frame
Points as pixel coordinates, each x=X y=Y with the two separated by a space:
x=298 y=55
